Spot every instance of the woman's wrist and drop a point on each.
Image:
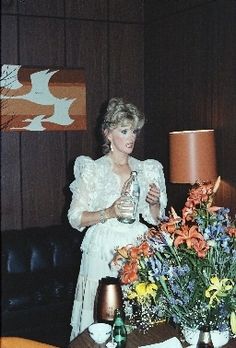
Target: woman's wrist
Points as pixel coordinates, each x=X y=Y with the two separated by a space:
x=155 y=212
x=102 y=216
x=110 y=213
x=105 y=214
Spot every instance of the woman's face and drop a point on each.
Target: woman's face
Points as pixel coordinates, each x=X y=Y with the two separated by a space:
x=123 y=138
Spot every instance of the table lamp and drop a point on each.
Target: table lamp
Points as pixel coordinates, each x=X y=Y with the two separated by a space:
x=192 y=156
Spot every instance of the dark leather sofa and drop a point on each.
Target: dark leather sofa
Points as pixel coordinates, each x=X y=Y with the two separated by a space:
x=39 y=273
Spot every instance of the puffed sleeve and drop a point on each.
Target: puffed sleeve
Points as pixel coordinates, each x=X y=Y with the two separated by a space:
x=153 y=173
x=82 y=189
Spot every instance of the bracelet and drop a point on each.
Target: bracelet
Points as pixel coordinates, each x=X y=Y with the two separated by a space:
x=102 y=217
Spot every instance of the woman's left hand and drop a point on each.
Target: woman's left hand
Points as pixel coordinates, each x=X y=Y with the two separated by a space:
x=153 y=195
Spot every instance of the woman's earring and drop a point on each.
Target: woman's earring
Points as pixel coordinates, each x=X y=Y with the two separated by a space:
x=111 y=148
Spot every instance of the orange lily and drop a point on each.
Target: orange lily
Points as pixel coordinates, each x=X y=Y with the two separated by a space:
x=171 y=225
x=134 y=252
x=188 y=235
x=201 y=247
x=129 y=272
x=145 y=249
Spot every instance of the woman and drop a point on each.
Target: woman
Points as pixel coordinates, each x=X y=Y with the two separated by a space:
x=97 y=203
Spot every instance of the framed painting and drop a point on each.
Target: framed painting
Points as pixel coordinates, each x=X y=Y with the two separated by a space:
x=42 y=99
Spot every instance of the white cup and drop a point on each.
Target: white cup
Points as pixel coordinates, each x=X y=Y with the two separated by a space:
x=100 y=332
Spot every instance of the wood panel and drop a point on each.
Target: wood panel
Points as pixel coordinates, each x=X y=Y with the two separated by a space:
x=126 y=10
x=41 y=41
x=9 y=40
x=159 y=9
x=11 y=216
x=87 y=48
x=43 y=178
x=10 y=182
x=224 y=119
x=9 y=6
x=49 y=8
x=126 y=67
x=88 y=9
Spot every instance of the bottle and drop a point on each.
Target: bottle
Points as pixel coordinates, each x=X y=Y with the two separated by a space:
x=119 y=332
x=130 y=194
x=204 y=340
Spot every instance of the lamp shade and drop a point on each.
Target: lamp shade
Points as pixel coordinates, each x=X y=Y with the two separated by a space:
x=192 y=156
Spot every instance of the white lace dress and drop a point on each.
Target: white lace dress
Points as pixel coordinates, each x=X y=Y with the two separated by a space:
x=96 y=187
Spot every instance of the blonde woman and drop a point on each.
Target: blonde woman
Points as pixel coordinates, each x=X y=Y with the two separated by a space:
x=96 y=203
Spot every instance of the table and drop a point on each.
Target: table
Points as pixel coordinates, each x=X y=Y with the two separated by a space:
x=159 y=333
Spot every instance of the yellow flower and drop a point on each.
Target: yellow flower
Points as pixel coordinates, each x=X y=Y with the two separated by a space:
x=142 y=291
x=218 y=289
x=233 y=322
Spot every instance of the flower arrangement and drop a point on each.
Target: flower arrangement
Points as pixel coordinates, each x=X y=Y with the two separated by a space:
x=184 y=269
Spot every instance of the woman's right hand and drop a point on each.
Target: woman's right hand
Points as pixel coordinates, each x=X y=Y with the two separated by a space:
x=122 y=207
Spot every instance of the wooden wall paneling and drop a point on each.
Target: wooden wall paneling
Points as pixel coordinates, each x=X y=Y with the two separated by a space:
x=49 y=8
x=9 y=40
x=126 y=10
x=163 y=95
x=10 y=143
x=198 y=29
x=43 y=178
x=126 y=67
x=41 y=41
x=224 y=118
x=159 y=9
x=163 y=86
x=9 y=6
x=88 y=9
x=183 y=89
x=11 y=217
x=86 y=44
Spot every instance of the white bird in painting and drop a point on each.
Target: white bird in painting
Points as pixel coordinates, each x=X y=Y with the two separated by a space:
x=61 y=112
x=35 y=124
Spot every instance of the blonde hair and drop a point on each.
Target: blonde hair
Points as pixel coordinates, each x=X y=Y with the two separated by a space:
x=120 y=113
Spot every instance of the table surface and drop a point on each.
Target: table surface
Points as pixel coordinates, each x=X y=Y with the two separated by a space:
x=159 y=333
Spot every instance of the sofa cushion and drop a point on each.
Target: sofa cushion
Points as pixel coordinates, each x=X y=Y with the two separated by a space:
x=40 y=267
